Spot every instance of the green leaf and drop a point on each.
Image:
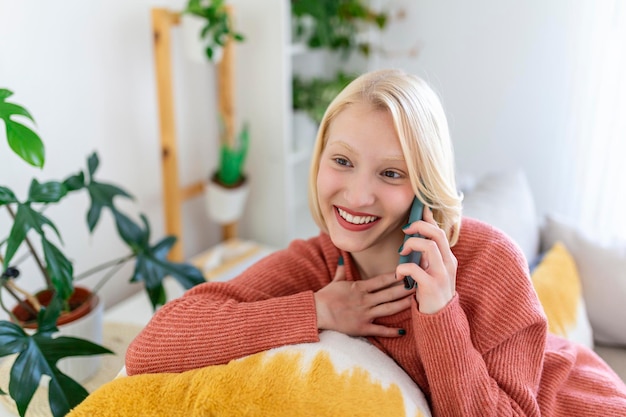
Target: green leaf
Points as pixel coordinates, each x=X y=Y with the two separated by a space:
x=25 y=219
x=59 y=269
x=6 y=196
x=130 y=232
x=25 y=143
x=4 y=94
x=102 y=195
x=152 y=266
x=232 y=159
x=75 y=182
x=48 y=192
x=38 y=356
x=12 y=338
x=47 y=317
x=22 y=140
x=92 y=164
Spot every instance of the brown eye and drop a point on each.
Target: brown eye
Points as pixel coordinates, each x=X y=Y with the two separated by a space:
x=391 y=174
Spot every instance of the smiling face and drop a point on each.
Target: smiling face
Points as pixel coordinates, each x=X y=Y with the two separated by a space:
x=364 y=190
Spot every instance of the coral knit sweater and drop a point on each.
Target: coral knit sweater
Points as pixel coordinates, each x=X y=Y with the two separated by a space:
x=487 y=353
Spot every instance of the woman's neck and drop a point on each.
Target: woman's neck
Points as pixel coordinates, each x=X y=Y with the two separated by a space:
x=377 y=260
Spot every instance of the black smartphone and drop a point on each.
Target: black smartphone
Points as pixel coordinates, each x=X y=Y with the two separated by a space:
x=417 y=211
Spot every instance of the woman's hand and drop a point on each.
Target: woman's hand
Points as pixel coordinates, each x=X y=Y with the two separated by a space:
x=436 y=273
x=350 y=307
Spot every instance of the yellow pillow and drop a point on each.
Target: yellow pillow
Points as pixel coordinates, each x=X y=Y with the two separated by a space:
x=557 y=284
x=337 y=376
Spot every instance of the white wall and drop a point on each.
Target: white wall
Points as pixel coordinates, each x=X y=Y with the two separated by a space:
x=505 y=72
x=85 y=70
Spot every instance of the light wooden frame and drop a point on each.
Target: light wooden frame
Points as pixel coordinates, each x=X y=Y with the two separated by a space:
x=173 y=193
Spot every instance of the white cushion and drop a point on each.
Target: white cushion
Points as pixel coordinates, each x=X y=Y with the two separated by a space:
x=504 y=200
x=602 y=272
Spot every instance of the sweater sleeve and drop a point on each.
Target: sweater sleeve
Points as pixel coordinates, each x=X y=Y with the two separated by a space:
x=483 y=353
x=270 y=304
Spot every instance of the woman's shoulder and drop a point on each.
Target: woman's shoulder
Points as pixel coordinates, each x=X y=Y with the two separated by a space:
x=478 y=240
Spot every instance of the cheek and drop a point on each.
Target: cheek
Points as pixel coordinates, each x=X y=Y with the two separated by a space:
x=326 y=183
x=399 y=203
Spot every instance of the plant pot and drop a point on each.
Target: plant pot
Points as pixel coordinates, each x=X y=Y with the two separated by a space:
x=194 y=44
x=225 y=205
x=84 y=321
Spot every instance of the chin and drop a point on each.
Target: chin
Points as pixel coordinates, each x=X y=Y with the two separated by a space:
x=342 y=240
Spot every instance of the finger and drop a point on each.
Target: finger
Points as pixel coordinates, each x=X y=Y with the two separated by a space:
x=438 y=235
x=414 y=271
x=428 y=216
x=388 y=295
x=383 y=331
x=392 y=307
x=340 y=273
x=435 y=247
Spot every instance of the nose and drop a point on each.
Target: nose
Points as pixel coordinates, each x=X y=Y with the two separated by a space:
x=360 y=190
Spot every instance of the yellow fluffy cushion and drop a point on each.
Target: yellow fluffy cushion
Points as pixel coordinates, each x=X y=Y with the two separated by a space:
x=558 y=286
x=338 y=376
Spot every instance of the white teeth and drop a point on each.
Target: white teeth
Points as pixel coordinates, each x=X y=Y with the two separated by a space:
x=356 y=219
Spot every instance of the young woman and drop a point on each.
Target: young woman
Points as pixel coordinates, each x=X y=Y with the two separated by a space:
x=471 y=334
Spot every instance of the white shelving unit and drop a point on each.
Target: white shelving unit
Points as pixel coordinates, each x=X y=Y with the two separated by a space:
x=281 y=141
x=263 y=98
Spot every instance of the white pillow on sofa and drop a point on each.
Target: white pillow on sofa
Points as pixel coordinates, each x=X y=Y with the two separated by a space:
x=505 y=201
x=602 y=272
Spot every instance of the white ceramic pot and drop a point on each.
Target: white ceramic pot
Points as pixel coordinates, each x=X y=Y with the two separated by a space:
x=225 y=205
x=87 y=327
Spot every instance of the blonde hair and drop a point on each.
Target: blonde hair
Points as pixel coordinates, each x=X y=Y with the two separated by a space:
x=422 y=129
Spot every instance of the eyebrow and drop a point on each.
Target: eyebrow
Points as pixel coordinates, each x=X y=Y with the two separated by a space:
x=351 y=149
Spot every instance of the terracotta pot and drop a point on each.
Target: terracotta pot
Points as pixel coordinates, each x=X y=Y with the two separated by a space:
x=81 y=302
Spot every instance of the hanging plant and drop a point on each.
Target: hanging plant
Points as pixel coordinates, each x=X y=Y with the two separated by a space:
x=218 y=27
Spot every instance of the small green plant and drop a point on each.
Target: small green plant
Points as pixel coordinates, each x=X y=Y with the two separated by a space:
x=232 y=158
x=218 y=27
x=37 y=354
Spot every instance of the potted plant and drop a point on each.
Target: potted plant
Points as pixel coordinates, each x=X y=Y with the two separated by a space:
x=312 y=96
x=227 y=189
x=335 y=24
x=210 y=24
x=37 y=351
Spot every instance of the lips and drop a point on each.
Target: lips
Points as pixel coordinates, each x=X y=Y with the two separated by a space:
x=355 y=222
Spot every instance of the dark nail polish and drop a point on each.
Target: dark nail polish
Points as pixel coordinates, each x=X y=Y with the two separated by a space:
x=340 y=262
x=406 y=226
x=401 y=247
x=409 y=283
x=401 y=332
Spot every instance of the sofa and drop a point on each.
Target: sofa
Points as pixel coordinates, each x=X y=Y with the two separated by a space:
x=580 y=283
x=582 y=272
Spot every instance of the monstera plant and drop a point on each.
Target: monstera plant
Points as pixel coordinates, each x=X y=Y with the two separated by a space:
x=37 y=351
